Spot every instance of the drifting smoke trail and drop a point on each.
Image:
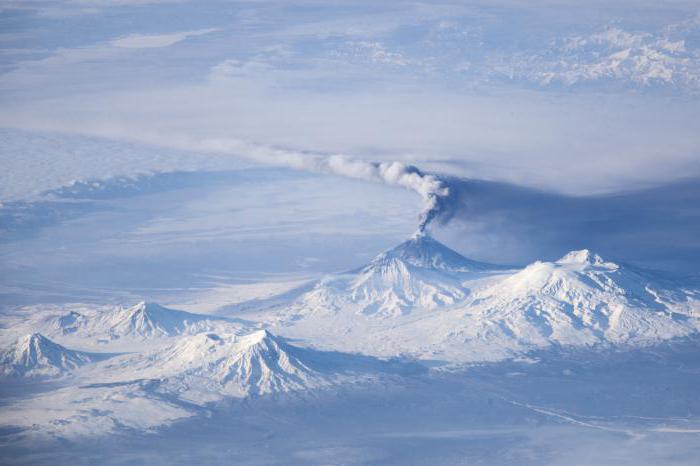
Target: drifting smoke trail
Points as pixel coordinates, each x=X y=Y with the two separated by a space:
x=432 y=190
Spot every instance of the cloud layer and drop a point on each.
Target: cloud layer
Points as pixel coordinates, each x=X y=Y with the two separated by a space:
x=148 y=41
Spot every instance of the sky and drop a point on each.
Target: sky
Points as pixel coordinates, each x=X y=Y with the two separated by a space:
x=585 y=110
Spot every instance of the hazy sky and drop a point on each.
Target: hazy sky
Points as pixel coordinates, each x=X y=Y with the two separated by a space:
x=578 y=98
x=574 y=98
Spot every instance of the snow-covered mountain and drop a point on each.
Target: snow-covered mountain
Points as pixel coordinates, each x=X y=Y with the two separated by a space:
x=34 y=355
x=421 y=251
x=418 y=273
x=433 y=304
x=153 y=320
x=141 y=321
x=583 y=299
x=207 y=366
x=445 y=306
x=578 y=300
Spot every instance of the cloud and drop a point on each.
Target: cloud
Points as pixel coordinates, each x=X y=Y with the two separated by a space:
x=147 y=41
x=71 y=9
x=233 y=68
x=242 y=84
x=373 y=51
x=568 y=143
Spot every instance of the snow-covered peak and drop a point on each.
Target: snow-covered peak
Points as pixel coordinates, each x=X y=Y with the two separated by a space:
x=224 y=364
x=258 y=337
x=142 y=321
x=149 y=320
x=580 y=299
x=36 y=355
x=35 y=343
x=583 y=257
x=199 y=347
x=148 y=311
x=421 y=250
x=420 y=273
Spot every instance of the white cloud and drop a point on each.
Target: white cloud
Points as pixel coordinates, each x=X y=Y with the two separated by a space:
x=145 y=41
x=372 y=51
x=573 y=143
x=271 y=78
x=233 y=68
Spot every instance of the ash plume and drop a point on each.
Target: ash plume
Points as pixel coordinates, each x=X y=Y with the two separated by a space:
x=432 y=189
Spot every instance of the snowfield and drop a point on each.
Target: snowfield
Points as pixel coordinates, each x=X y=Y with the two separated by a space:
x=419 y=302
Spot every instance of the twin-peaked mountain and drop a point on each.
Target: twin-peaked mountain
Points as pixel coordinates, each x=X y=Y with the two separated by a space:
x=583 y=298
x=579 y=299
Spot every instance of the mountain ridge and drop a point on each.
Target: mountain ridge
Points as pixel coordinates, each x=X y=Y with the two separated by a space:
x=142 y=321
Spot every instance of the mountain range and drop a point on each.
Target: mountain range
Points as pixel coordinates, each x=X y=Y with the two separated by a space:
x=420 y=301
x=423 y=299
x=143 y=321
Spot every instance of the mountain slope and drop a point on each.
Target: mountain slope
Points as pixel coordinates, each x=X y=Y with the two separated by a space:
x=35 y=355
x=418 y=273
x=582 y=299
x=579 y=299
x=206 y=366
x=151 y=320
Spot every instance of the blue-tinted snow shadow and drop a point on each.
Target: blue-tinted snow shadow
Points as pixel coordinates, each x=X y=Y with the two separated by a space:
x=573 y=406
x=25 y=219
